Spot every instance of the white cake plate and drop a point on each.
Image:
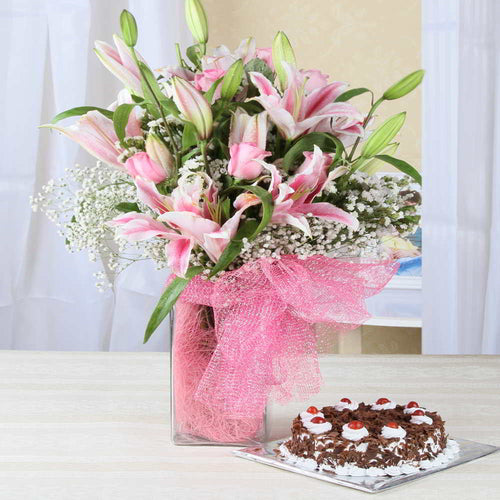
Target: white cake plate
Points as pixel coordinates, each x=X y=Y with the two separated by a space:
x=265 y=454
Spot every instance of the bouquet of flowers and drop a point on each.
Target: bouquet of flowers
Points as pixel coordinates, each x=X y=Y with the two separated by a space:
x=238 y=171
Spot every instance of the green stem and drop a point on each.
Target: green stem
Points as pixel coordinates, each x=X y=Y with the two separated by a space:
x=160 y=108
x=203 y=147
x=365 y=122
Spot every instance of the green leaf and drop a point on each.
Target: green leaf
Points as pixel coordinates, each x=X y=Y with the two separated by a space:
x=402 y=166
x=259 y=66
x=128 y=27
x=349 y=94
x=126 y=207
x=251 y=107
x=373 y=165
x=225 y=208
x=232 y=80
x=209 y=94
x=79 y=111
x=383 y=135
x=137 y=99
x=169 y=106
x=194 y=54
x=404 y=86
x=282 y=52
x=326 y=142
x=168 y=299
x=149 y=84
x=267 y=206
x=189 y=137
x=120 y=119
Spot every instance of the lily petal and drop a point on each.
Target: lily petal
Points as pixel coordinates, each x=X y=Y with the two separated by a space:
x=150 y=196
x=96 y=134
x=178 y=253
x=190 y=225
x=138 y=227
x=328 y=211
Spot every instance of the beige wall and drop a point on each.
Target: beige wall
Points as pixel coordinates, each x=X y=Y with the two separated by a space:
x=366 y=43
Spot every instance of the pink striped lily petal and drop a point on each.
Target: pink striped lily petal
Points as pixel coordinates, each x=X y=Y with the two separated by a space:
x=312 y=175
x=190 y=225
x=96 y=134
x=112 y=61
x=126 y=58
x=148 y=193
x=216 y=242
x=264 y=86
x=319 y=98
x=178 y=253
x=328 y=211
x=138 y=227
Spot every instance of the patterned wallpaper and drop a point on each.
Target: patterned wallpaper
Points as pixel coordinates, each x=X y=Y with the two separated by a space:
x=367 y=43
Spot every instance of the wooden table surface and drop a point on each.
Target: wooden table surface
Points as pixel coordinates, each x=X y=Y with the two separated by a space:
x=96 y=426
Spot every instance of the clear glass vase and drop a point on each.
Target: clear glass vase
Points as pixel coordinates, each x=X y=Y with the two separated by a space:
x=194 y=422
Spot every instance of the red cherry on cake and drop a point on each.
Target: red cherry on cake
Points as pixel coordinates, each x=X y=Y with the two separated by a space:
x=382 y=401
x=412 y=404
x=318 y=420
x=392 y=425
x=346 y=400
x=313 y=410
x=355 y=424
x=418 y=413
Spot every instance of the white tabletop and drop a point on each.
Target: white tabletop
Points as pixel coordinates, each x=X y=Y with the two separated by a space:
x=96 y=426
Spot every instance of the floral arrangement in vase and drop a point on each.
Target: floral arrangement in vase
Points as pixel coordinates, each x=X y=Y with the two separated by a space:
x=255 y=182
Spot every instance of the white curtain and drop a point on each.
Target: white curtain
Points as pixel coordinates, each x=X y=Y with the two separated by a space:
x=461 y=167
x=47 y=297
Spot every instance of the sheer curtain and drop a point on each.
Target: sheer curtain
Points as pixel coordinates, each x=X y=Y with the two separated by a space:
x=47 y=297
x=461 y=217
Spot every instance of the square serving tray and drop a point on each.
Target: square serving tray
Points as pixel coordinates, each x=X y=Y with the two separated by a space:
x=264 y=453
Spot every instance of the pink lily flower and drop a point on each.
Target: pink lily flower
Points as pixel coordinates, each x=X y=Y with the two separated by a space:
x=203 y=81
x=244 y=162
x=293 y=202
x=120 y=62
x=193 y=106
x=141 y=165
x=246 y=128
x=138 y=227
x=210 y=235
x=247 y=144
x=195 y=193
x=186 y=218
x=298 y=110
x=96 y=134
x=345 y=128
x=223 y=58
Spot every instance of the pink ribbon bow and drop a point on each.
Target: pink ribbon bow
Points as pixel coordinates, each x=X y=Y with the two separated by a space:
x=264 y=314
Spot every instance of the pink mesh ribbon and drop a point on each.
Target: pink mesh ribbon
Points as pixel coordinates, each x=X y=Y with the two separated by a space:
x=264 y=344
